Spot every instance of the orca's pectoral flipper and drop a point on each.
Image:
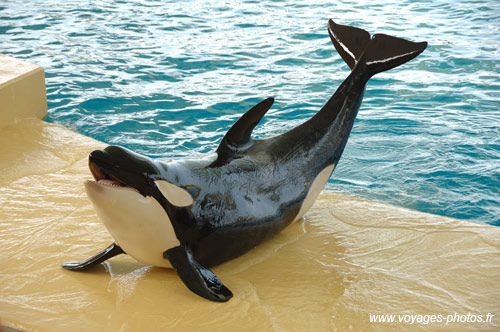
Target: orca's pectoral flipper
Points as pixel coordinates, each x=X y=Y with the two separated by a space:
x=98 y=258
x=238 y=138
x=198 y=279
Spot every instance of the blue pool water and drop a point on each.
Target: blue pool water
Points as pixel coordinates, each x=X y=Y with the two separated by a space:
x=168 y=78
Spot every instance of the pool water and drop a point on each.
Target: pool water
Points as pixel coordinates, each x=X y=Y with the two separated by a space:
x=168 y=78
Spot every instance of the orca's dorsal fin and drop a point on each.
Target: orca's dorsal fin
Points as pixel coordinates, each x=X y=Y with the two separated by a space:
x=238 y=138
x=240 y=133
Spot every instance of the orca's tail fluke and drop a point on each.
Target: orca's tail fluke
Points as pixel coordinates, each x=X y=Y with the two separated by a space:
x=373 y=54
x=349 y=41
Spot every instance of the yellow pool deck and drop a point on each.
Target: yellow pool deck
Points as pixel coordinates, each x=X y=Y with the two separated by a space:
x=346 y=260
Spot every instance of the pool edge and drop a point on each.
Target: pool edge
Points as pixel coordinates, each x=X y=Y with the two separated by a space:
x=22 y=91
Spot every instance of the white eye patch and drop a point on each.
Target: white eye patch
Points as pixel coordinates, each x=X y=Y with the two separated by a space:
x=175 y=195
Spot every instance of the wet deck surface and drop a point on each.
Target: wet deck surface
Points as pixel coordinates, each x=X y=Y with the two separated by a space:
x=346 y=259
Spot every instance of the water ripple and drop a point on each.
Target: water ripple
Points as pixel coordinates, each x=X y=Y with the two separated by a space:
x=168 y=78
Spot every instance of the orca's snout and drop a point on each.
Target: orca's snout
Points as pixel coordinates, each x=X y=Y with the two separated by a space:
x=115 y=155
x=126 y=167
x=96 y=155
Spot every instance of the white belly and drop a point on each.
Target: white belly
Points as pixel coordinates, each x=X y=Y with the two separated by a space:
x=139 y=225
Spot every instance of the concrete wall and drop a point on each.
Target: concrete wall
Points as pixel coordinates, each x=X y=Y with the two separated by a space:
x=22 y=91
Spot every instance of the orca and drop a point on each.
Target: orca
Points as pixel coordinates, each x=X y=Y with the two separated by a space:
x=195 y=213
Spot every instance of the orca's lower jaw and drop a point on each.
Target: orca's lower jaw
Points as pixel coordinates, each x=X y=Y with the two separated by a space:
x=137 y=223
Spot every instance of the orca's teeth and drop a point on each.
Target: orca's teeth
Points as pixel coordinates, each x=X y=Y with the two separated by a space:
x=110 y=183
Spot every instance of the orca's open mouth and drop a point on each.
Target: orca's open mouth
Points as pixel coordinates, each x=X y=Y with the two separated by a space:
x=103 y=177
